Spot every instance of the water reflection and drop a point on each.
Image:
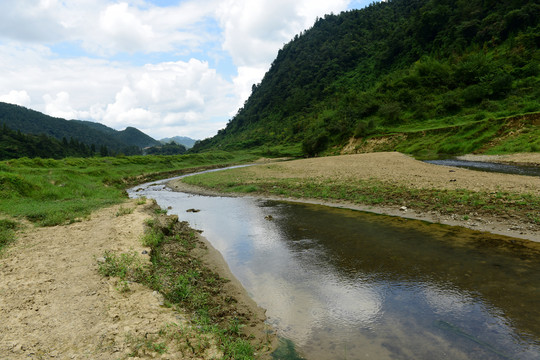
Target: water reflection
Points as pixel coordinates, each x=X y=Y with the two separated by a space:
x=351 y=285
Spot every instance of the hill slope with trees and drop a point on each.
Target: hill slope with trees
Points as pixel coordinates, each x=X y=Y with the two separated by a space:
x=395 y=67
x=129 y=141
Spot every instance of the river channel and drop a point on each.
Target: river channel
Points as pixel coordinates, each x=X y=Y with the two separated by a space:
x=343 y=284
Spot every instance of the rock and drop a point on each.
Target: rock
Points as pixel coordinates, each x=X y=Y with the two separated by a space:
x=101 y=260
x=144 y=252
x=403 y=208
x=269 y=217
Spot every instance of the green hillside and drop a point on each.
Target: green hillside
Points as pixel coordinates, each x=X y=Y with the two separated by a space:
x=400 y=66
x=14 y=144
x=128 y=141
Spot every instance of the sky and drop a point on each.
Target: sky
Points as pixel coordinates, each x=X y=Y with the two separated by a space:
x=166 y=67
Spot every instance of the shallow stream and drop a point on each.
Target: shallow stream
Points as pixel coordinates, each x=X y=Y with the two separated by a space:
x=489 y=166
x=343 y=284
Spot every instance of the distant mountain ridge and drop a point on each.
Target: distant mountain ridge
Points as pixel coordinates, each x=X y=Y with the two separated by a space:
x=27 y=121
x=180 y=140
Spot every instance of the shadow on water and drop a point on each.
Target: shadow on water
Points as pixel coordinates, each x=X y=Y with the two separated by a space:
x=344 y=284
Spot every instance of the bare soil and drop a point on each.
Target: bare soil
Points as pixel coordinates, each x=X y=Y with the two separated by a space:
x=55 y=304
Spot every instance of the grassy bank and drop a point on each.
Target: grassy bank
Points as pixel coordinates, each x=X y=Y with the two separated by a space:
x=216 y=326
x=479 y=134
x=461 y=202
x=51 y=192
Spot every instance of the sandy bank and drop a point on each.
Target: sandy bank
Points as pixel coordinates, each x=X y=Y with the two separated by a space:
x=55 y=304
x=402 y=170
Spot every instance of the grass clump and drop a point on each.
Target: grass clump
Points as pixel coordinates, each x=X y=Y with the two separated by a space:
x=177 y=272
x=124 y=211
x=7 y=232
x=125 y=266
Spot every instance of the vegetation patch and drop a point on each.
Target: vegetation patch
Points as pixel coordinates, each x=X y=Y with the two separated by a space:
x=177 y=272
x=7 y=232
x=51 y=192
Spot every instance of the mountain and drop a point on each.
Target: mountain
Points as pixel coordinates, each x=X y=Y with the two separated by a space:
x=180 y=140
x=128 y=141
x=396 y=67
x=14 y=144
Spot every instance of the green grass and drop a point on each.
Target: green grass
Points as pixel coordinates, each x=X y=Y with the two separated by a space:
x=491 y=136
x=53 y=192
x=7 y=232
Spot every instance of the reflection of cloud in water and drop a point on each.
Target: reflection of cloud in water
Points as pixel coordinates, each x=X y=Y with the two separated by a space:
x=446 y=300
x=297 y=292
x=300 y=311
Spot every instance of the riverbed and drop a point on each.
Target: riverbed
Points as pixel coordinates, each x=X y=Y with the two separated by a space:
x=352 y=285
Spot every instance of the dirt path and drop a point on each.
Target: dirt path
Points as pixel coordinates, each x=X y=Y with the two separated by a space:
x=54 y=304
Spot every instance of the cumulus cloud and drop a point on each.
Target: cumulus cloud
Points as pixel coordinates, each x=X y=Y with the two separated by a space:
x=254 y=31
x=173 y=94
x=134 y=63
x=16 y=97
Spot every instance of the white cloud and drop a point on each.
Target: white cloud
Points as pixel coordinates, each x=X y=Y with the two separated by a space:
x=16 y=97
x=177 y=92
x=125 y=28
x=59 y=106
x=174 y=94
x=254 y=31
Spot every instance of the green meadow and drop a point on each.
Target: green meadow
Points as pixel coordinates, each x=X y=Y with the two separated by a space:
x=49 y=192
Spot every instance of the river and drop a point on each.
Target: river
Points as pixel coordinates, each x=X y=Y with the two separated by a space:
x=343 y=284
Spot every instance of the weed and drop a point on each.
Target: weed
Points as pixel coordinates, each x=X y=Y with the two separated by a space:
x=124 y=211
x=7 y=232
x=140 y=344
x=125 y=266
x=152 y=238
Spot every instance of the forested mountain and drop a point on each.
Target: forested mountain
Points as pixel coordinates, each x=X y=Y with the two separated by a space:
x=129 y=141
x=14 y=144
x=394 y=66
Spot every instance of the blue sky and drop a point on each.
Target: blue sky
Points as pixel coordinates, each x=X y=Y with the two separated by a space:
x=167 y=67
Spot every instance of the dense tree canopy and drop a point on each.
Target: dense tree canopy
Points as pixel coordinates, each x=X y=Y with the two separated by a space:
x=391 y=65
x=14 y=144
